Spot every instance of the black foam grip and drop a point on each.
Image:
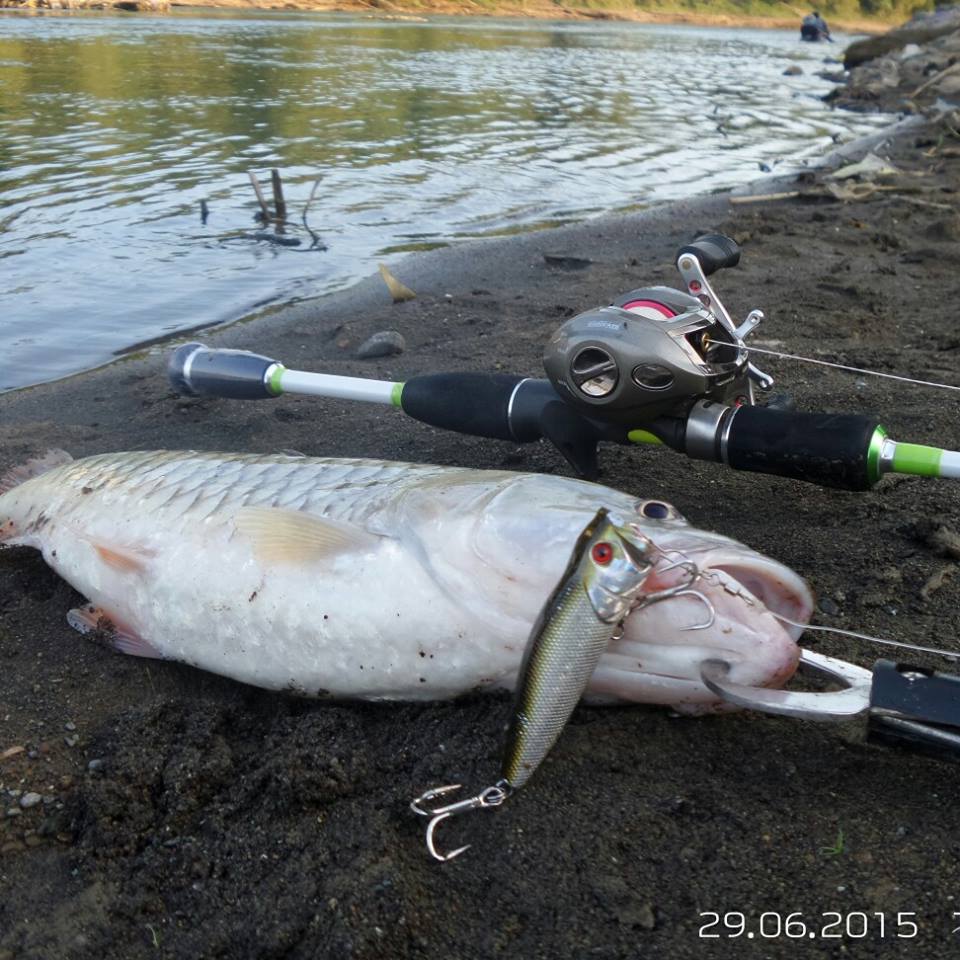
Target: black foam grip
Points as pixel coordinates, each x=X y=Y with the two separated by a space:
x=714 y=252
x=828 y=449
x=474 y=403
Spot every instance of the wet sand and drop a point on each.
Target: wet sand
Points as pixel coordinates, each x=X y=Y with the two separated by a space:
x=184 y=815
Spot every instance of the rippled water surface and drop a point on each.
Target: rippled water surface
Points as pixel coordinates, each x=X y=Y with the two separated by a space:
x=114 y=129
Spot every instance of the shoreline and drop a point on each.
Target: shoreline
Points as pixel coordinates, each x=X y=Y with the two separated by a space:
x=422 y=10
x=535 y=10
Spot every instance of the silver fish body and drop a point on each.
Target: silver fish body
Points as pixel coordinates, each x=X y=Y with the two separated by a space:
x=355 y=578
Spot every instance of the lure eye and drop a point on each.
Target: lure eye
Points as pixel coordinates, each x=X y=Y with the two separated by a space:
x=602 y=553
x=657 y=510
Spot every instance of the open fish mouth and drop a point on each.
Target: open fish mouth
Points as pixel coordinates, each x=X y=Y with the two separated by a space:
x=774 y=586
x=723 y=604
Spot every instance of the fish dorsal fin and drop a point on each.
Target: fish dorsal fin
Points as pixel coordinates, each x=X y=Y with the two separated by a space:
x=33 y=468
x=280 y=535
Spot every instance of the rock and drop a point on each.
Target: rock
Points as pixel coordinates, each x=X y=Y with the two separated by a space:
x=949 y=86
x=566 y=262
x=910 y=50
x=913 y=33
x=386 y=343
x=947 y=229
x=29 y=800
x=793 y=71
x=828 y=607
x=96 y=765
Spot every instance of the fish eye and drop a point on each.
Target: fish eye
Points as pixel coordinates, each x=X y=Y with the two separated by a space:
x=657 y=510
x=602 y=553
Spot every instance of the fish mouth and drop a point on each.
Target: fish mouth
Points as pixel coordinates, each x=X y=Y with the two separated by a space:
x=776 y=587
x=729 y=611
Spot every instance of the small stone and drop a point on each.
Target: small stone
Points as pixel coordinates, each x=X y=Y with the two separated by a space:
x=386 y=343
x=14 y=812
x=793 y=71
x=640 y=915
x=29 y=800
x=72 y=740
x=33 y=840
x=96 y=765
x=15 y=846
x=70 y=726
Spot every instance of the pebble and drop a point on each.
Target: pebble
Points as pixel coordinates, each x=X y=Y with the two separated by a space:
x=828 y=607
x=386 y=343
x=96 y=765
x=29 y=800
x=72 y=740
x=793 y=71
x=14 y=812
x=70 y=726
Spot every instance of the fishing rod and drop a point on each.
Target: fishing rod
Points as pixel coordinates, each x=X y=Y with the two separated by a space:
x=658 y=366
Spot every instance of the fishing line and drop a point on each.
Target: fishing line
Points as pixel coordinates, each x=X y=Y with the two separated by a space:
x=955 y=655
x=838 y=366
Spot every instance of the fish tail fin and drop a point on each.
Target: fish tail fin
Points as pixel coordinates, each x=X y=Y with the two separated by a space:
x=33 y=468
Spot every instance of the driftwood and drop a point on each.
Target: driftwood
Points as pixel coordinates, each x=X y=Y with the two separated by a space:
x=264 y=209
x=279 y=204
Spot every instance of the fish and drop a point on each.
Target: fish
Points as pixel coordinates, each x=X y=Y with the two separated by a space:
x=380 y=580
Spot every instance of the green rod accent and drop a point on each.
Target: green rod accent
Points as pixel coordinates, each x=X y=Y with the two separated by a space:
x=916 y=459
x=873 y=455
x=275 y=384
x=395 y=394
x=643 y=436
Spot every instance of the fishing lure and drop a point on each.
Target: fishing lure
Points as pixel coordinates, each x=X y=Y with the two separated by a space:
x=604 y=579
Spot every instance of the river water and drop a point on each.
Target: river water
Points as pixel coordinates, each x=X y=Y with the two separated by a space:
x=113 y=129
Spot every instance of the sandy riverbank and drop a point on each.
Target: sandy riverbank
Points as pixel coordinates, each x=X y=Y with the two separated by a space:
x=221 y=821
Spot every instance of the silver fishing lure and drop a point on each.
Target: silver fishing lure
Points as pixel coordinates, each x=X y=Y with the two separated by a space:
x=604 y=579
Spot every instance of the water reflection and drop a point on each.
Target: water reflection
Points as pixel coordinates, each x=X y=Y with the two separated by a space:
x=113 y=129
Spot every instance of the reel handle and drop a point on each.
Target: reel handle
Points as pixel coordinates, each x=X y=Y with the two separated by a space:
x=714 y=251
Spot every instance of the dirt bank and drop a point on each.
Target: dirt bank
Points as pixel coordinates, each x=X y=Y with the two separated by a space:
x=421 y=9
x=180 y=815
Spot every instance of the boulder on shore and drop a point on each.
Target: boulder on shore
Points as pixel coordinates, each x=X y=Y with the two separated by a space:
x=921 y=29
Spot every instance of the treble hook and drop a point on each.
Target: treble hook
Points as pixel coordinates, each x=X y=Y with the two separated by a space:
x=490 y=797
x=683 y=590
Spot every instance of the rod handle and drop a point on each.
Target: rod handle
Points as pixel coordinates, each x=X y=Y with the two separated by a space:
x=832 y=450
x=474 y=403
x=196 y=370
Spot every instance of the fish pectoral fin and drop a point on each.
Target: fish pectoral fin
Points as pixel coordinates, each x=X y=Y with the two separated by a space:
x=122 y=559
x=91 y=619
x=280 y=535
